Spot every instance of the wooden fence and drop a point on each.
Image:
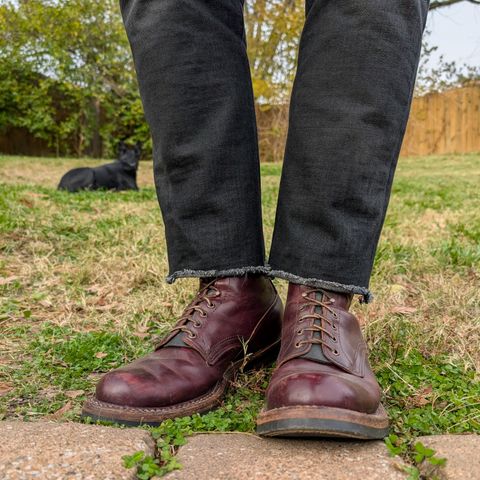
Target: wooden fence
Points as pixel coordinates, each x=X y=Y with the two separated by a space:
x=440 y=123
x=447 y=122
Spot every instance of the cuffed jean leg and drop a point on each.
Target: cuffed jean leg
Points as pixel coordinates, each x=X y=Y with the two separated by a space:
x=194 y=79
x=349 y=108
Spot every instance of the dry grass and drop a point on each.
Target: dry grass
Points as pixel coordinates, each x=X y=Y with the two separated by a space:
x=96 y=261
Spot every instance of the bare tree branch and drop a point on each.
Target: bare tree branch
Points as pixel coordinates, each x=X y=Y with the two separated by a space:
x=446 y=3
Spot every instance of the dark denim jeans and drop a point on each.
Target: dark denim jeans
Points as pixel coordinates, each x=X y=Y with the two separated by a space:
x=348 y=112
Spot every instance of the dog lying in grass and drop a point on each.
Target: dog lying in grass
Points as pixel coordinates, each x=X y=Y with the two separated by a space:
x=118 y=175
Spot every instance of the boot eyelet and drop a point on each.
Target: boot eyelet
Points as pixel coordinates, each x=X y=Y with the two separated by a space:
x=193 y=335
x=212 y=306
x=334 y=339
x=336 y=353
x=334 y=327
x=197 y=324
x=299 y=332
x=203 y=314
x=298 y=345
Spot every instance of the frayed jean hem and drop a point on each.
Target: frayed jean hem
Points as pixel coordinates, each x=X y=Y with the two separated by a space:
x=266 y=270
x=325 y=284
x=230 y=272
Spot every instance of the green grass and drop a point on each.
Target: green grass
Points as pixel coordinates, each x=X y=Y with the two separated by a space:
x=82 y=292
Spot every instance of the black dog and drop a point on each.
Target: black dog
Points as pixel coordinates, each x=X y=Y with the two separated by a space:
x=119 y=175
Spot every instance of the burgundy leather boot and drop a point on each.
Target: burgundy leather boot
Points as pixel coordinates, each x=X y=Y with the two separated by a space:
x=231 y=321
x=323 y=385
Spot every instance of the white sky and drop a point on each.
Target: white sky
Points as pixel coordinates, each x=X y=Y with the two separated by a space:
x=456 y=31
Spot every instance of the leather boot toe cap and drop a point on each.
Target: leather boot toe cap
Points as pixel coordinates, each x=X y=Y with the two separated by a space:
x=322 y=389
x=129 y=388
x=161 y=379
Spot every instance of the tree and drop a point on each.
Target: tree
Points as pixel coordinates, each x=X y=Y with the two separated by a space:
x=446 y=3
x=442 y=75
x=66 y=73
x=79 y=55
x=273 y=30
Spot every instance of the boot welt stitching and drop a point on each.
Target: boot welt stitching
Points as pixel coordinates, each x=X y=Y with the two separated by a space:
x=213 y=394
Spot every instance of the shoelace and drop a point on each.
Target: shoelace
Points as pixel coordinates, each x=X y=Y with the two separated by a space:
x=203 y=295
x=313 y=301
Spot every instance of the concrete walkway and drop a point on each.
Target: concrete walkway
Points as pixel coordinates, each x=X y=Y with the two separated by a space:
x=242 y=457
x=67 y=451
x=72 y=451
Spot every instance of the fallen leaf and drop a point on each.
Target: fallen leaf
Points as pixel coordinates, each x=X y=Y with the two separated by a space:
x=101 y=355
x=141 y=335
x=93 y=289
x=5 y=388
x=422 y=397
x=74 y=393
x=403 y=309
x=106 y=308
x=25 y=201
x=61 y=411
x=7 y=280
x=5 y=361
x=102 y=301
x=37 y=195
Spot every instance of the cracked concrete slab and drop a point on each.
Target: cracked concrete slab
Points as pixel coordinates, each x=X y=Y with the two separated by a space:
x=462 y=453
x=245 y=457
x=67 y=451
x=73 y=451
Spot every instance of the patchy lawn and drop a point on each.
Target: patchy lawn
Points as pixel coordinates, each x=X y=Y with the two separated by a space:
x=82 y=291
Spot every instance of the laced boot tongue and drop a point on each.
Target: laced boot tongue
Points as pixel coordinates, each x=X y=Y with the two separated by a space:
x=316 y=352
x=178 y=339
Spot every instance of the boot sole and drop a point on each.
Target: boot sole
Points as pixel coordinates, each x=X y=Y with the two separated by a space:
x=325 y=422
x=154 y=416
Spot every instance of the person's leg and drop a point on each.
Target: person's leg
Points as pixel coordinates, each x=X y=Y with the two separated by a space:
x=195 y=84
x=349 y=108
x=194 y=80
